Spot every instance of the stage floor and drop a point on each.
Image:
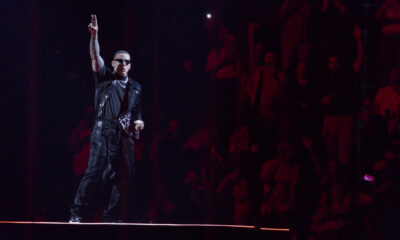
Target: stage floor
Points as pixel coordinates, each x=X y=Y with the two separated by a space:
x=10 y=230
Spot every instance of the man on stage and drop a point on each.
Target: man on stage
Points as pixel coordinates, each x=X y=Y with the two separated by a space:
x=111 y=161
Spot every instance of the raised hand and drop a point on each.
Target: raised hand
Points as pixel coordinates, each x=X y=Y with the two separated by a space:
x=252 y=27
x=357 y=32
x=93 y=27
x=341 y=6
x=325 y=5
x=94 y=47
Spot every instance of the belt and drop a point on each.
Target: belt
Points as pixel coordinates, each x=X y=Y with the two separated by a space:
x=105 y=123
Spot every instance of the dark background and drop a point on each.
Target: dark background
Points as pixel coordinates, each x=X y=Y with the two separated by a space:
x=47 y=85
x=46 y=81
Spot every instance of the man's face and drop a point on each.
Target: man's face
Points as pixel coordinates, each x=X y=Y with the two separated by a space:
x=229 y=41
x=333 y=63
x=301 y=68
x=173 y=128
x=269 y=58
x=259 y=51
x=121 y=64
x=393 y=76
x=332 y=168
x=188 y=66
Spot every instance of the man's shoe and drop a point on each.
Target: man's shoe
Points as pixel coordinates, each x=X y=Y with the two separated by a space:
x=76 y=220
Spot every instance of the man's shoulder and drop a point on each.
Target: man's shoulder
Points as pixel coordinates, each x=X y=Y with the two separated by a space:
x=213 y=52
x=135 y=84
x=103 y=75
x=103 y=70
x=386 y=90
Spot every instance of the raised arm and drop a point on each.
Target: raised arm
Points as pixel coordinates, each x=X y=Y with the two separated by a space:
x=284 y=8
x=360 y=50
x=381 y=11
x=252 y=27
x=94 y=47
x=289 y=7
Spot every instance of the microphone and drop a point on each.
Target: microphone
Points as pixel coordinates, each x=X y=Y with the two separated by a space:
x=137 y=134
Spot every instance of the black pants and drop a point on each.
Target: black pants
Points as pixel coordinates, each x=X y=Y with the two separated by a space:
x=111 y=164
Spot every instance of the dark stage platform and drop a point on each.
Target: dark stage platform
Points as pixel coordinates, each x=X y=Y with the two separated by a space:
x=13 y=230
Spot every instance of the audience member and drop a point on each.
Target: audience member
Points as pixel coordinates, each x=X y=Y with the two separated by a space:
x=79 y=145
x=339 y=101
x=241 y=168
x=170 y=169
x=221 y=65
x=304 y=103
x=295 y=31
x=267 y=94
x=281 y=173
x=389 y=47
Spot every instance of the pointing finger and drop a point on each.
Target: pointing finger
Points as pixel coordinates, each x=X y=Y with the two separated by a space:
x=94 y=20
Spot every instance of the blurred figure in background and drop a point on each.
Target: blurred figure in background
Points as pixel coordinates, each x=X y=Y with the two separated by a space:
x=221 y=66
x=388 y=15
x=79 y=145
x=295 y=15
